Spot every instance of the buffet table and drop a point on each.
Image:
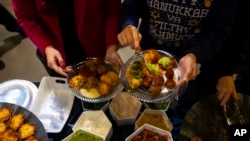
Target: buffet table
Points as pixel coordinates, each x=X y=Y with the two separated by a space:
x=183 y=130
x=119 y=132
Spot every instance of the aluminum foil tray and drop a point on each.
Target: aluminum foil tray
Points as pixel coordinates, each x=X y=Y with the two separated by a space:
x=53 y=103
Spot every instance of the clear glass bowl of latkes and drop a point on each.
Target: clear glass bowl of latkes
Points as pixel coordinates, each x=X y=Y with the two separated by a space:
x=94 y=80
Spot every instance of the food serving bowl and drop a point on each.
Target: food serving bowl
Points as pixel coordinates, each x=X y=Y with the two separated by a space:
x=94 y=80
x=137 y=72
x=156 y=118
x=124 y=108
x=149 y=132
x=95 y=122
x=88 y=106
x=83 y=135
x=157 y=106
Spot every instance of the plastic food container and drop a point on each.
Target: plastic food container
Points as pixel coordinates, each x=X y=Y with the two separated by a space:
x=156 y=118
x=82 y=135
x=146 y=131
x=124 y=108
x=53 y=103
x=95 y=122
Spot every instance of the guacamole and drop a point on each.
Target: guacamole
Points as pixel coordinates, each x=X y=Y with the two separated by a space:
x=84 y=136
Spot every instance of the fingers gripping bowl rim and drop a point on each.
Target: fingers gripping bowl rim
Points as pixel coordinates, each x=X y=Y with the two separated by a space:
x=116 y=89
x=141 y=92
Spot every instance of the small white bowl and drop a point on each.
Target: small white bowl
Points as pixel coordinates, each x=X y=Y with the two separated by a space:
x=95 y=122
x=124 y=108
x=154 y=117
x=157 y=131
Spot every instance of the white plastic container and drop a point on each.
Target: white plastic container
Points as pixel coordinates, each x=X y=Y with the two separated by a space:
x=95 y=122
x=124 y=108
x=156 y=118
x=53 y=103
x=163 y=134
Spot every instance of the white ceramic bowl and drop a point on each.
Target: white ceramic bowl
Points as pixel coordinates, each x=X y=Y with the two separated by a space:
x=95 y=122
x=162 y=134
x=154 y=117
x=124 y=108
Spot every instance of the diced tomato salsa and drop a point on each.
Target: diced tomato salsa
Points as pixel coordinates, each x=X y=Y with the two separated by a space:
x=149 y=135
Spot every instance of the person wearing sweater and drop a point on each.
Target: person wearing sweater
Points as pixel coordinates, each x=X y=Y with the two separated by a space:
x=67 y=32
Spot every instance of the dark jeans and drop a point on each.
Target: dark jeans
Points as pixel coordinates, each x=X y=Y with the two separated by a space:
x=9 y=21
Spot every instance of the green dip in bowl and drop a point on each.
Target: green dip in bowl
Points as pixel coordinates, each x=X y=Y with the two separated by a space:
x=81 y=135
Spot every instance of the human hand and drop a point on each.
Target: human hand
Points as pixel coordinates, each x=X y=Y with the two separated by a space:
x=56 y=62
x=130 y=36
x=113 y=57
x=225 y=89
x=188 y=65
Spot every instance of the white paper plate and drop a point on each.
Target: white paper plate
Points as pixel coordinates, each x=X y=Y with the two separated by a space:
x=19 y=92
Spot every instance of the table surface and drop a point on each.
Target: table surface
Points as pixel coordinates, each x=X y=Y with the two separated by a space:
x=119 y=132
x=201 y=110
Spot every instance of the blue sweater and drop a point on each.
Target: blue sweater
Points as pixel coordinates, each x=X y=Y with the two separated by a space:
x=181 y=26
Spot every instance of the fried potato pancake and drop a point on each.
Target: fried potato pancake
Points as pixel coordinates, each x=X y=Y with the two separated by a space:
x=31 y=138
x=5 y=114
x=13 y=127
x=9 y=135
x=26 y=130
x=3 y=127
x=16 y=121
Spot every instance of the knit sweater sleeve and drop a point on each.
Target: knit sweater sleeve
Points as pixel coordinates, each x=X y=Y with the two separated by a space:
x=27 y=17
x=130 y=13
x=216 y=30
x=112 y=14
